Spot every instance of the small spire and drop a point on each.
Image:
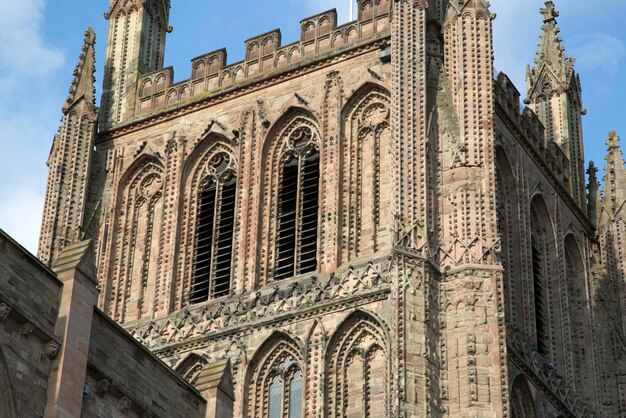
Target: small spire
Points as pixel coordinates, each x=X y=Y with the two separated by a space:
x=551 y=52
x=84 y=82
x=615 y=174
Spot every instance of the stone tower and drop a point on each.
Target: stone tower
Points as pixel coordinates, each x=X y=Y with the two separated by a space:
x=362 y=223
x=135 y=46
x=555 y=95
x=70 y=161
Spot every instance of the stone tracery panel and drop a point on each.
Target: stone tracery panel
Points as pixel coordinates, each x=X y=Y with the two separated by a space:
x=136 y=241
x=366 y=149
x=357 y=369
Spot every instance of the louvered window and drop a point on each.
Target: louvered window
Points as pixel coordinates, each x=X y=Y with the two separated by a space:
x=214 y=241
x=540 y=295
x=298 y=207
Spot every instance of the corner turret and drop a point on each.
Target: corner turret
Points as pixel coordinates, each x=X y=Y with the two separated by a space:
x=136 y=46
x=554 y=93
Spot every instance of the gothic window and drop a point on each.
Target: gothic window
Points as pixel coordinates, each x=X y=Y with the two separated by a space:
x=298 y=206
x=357 y=369
x=367 y=146
x=136 y=253
x=522 y=403
x=275 y=380
x=508 y=227
x=575 y=273
x=215 y=222
x=540 y=254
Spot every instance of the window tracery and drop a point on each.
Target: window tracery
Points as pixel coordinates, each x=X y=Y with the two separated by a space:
x=214 y=230
x=367 y=145
x=357 y=369
x=291 y=198
x=136 y=242
x=275 y=380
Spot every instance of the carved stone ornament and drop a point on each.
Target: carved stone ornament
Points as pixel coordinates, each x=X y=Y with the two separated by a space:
x=103 y=386
x=5 y=310
x=27 y=329
x=126 y=403
x=52 y=349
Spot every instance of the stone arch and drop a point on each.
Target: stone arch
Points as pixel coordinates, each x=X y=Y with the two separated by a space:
x=279 y=357
x=136 y=240
x=575 y=272
x=294 y=135
x=212 y=160
x=365 y=149
x=522 y=401
x=544 y=275
x=358 y=368
x=7 y=396
x=507 y=195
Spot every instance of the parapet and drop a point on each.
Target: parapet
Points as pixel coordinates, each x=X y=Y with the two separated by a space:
x=264 y=54
x=532 y=129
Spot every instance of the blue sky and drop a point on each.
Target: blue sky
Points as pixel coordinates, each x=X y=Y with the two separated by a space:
x=41 y=39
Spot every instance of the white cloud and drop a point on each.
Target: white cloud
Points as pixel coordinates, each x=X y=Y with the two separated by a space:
x=597 y=52
x=29 y=110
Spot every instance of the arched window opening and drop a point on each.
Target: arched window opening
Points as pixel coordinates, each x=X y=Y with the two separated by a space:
x=275 y=380
x=215 y=224
x=522 y=403
x=298 y=207
x=575 y=270
x=538 y=260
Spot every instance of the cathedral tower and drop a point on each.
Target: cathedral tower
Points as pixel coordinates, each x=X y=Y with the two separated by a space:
x=70 y=160
x=135 y=46
x=554 y=93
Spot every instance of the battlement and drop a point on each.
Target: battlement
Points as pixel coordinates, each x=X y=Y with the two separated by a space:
x=264 y=55
x=532 y=129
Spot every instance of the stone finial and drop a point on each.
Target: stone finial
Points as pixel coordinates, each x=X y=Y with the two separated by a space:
x=615 y=175
x=593 y=196
x=551 y=52
x=84 y=82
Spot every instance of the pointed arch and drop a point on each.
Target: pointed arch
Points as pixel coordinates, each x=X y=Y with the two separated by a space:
x=7 y=396
x=365 y=149
x=290 y=203
x=543 y=249
x=357 y=368
x=274 y=379
x=136 y=240
x=575 y=272
x=507 y=199
x=522 y=401
x=208 y=207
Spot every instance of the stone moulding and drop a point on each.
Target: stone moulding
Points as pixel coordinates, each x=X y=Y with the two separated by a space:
x=194 y=325
x=30 y=326
x=521 y=354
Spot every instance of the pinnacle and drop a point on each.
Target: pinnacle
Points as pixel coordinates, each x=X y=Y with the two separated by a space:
x=615 y=174
x=551 y=52
x=83 y=84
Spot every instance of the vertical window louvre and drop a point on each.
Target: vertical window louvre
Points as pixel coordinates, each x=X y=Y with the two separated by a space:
x=224 y=244
x=204 y=244
x=214 y=241
x=310 y=207
x=540 y=313
x=287 y=205
x=298 y=207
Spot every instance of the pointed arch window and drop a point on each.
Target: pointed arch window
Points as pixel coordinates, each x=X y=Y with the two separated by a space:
x=285 y=392
x=298 y=207
x=539 y=256
x=215 y=224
